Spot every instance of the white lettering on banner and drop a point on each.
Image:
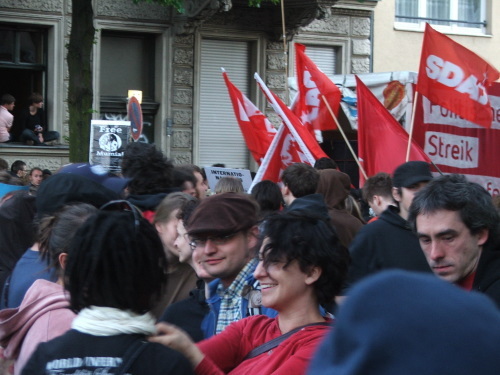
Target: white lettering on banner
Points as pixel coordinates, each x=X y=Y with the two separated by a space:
x=491 y=184
x=452 y=150
x=451 y=75
x=312 y=98
x=435 y=114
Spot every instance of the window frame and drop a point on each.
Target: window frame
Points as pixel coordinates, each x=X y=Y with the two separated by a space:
x=483 y=30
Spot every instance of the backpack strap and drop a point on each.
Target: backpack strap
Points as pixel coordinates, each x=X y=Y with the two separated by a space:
x=131 y=355
x=278 y=340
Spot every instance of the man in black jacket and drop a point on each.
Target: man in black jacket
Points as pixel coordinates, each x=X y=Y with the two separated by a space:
x=389 y=241
x=457 y=226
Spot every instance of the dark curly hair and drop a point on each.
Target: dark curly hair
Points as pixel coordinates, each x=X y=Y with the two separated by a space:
x=116 y=259
x=151 y=172
x=454 y=192
x=312 y=243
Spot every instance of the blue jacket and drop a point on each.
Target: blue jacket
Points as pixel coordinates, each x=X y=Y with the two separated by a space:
x=209 y=323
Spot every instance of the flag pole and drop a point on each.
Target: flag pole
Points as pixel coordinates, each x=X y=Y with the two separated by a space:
x=285 y=50
x=410 y=134
x=345 y=138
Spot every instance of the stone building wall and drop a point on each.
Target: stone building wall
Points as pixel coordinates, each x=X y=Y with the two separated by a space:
x=182 y=98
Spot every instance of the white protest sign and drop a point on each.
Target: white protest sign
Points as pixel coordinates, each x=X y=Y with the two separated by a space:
x=214 y=174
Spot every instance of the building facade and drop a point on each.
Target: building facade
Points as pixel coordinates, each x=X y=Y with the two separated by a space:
x=175 y=60
x=399 y=26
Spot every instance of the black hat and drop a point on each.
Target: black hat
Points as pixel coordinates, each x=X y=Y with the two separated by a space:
x=411 y=173
x=65 y=188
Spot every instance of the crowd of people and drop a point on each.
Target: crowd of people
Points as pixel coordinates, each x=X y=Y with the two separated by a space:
x=150 y=272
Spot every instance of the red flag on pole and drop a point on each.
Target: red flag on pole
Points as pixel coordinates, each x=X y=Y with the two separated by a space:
x=312 y=83
x=455 y=78
x=257 y=130
x=382 y=141
x=292 y=144
x=308 y=145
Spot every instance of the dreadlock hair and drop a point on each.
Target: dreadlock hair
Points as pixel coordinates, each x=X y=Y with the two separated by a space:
x=116 y=259
x=56 y=231
x=312 y=243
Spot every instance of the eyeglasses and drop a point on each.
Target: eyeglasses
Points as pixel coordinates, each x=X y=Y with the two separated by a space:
x=198 y=243
x=123 y=205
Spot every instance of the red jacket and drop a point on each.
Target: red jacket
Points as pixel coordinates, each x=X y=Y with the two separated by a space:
x=224 y=352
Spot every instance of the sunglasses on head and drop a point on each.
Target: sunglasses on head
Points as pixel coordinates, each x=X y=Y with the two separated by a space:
x=124 y=206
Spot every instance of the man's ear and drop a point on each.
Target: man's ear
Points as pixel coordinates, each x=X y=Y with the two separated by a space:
x=313 y=275
x=159 y=227
x=396 y=195
x=482 y=236
x=253 y=236
x=63 y=258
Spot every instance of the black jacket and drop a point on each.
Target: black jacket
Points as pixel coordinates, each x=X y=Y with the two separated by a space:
x=487 y=278
x=385 y=243
x=80 y=353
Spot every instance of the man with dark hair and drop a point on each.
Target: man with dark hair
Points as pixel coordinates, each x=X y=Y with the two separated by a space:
x=458 y=229
x=185 y=180
x=151 y=175
x=35 y=128
x=201 y=180
x=325 y=163
x=36 y=179
x=223 y=234
x=4 y=166
x=377 y=192
x=18 y=169
x=7 y=103
x=299 y=180
x=389 y=241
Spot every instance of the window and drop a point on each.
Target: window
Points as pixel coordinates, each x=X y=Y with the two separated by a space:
x=23 y=67
x=128 y=63
x=219 y=137
x=325 y=57
x=461 y=16
x=21 y=47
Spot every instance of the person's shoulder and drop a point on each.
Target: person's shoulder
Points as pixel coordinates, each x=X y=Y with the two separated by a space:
x=162 y=360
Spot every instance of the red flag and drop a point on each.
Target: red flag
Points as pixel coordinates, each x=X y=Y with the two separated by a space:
x=308 y=145
x=382 y=141
x=256 y=128
x=455 y=78
x=292 y=144
x=312 y=83
x=283 y=152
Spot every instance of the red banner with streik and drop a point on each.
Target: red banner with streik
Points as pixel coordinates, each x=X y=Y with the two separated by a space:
x=456 y=145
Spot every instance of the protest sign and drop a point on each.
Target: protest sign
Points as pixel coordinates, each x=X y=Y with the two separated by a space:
x=214 y=174
x=108 y=140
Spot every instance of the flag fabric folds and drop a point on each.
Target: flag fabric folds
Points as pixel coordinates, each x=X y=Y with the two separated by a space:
x=382 y=141
x=257 y=130
x=312 y=83
x=455 y=78
x=292 y=144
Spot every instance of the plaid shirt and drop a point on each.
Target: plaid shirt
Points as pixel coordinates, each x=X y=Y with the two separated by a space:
x=231 y=298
